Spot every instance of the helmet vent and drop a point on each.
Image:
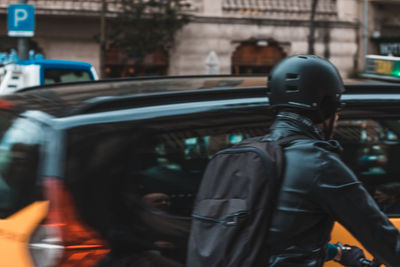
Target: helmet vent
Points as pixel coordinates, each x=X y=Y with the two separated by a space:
x=291 y=88
x=291 y=76
x=292 y=82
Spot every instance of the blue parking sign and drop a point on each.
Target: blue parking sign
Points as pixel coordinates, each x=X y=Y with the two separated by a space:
x=21 y=20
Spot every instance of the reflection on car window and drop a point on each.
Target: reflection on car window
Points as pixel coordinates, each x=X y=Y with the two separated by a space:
x=388 y=197
x=137 y=187
x=178 y=161
x=64 y=75
x=372 y=150
x=19 y=163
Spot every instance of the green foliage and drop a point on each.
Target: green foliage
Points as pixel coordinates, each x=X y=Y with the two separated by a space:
x=146 y=25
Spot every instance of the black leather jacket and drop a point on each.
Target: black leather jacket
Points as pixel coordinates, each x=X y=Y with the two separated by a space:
x=318 y=189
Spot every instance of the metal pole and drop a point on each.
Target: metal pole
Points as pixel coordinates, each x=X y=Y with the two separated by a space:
x=102 y=37
x=22 y=41
x=311 y=36
x=365 y=35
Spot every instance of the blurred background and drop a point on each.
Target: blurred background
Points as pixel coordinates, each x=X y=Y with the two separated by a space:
x=123 y=38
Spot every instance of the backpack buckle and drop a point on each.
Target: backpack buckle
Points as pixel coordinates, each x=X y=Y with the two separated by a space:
x=235 y=218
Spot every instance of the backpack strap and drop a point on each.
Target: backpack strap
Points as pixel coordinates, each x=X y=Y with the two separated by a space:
x=277 y=183
x=285 y=140
x=280 y=161
x=288 y=139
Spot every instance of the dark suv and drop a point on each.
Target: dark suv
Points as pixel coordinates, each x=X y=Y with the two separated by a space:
x=105 y=173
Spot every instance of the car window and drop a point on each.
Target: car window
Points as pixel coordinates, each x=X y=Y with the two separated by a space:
x=136 y=184
x=64 y=75
x=20 y=141
x=372 y=151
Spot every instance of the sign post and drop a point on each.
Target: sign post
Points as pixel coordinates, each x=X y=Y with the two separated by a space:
x=21 y=23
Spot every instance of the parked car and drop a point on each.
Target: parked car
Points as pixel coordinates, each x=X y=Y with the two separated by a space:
x=17 y=74
x=89 y=168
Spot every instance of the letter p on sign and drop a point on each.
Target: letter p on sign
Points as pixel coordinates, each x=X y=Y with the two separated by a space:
x=20 y=16
x=21 y=20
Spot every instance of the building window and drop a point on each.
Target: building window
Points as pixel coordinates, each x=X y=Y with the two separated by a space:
x=256 y=57
x=117 y=64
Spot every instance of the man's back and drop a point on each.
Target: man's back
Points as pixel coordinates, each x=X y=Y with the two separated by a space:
x=317 y=190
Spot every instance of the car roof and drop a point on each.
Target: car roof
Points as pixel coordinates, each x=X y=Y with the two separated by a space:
x=55 y=63
x=63 y=100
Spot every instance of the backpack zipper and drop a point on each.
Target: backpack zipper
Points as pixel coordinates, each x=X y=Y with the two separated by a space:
x=229 y=220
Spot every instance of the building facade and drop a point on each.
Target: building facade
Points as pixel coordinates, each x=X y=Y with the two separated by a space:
x=223 y=36
x=251 y=36
x=384 y=27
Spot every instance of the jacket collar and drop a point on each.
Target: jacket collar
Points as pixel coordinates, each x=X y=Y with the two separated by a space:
x=288 y=123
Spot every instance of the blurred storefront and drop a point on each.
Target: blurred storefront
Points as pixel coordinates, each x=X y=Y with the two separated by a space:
x=256 y=57
x=118 y=65
x=243 y=36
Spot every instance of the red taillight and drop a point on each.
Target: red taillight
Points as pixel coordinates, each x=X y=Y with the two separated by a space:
x=64 y=238
x=5 y=104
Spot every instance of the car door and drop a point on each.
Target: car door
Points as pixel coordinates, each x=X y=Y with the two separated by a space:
x=135 y=182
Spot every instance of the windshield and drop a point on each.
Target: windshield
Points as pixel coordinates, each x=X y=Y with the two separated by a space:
x=20 y=141
x=64 y=75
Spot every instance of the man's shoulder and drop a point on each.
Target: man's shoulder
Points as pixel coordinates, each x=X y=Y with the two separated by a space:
x=325 y=155
x=316 y=145
x=332 y=169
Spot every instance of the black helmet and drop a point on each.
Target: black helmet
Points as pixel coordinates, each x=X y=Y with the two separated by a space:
x=307 y=83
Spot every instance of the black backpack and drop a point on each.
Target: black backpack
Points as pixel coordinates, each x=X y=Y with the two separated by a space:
x=234 y=205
